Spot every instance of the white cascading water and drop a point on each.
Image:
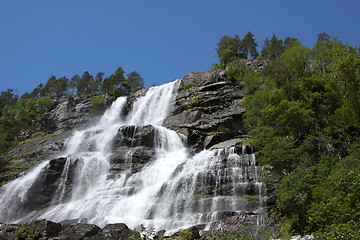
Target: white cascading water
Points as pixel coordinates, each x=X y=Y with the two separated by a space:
x=169 y=192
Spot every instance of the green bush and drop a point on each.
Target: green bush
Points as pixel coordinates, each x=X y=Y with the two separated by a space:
x=98 y=104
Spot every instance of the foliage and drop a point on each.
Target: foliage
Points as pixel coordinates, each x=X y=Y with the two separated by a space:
x=133 y=82
x=303 y=119
x=20 y=117
x=274 y=47
x=228 y=48
x=336 y=204
x=252 y=80
x=54 y=86
x=98 y=104
x=248 y=46
x=235 y=70
x=8 y=97
x=112 y=84
x=26 y=115
x=142 y=233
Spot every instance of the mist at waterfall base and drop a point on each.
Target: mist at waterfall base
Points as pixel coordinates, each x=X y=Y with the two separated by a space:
x=171 y=191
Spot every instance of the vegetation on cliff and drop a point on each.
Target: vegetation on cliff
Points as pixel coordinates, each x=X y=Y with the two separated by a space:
x=20 y=117
x=303 y=117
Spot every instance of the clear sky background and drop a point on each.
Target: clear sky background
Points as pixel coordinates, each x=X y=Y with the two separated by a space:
x=161 y=39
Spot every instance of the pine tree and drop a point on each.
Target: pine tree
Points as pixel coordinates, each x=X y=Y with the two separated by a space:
x=228 y=48
x=133 y=82
x=248 y=46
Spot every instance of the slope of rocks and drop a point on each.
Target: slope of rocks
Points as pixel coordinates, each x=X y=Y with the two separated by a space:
x=208 y=109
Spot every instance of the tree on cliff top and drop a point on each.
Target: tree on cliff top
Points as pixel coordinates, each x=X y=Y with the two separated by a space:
x=248 y=46
x=228 y=48
x=133 y=82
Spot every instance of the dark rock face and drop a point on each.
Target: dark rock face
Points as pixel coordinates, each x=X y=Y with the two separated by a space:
x=257 y=65
x=34 y=230
x=78 y=231
x=134 y=146
x=70 y=111
x=43 y=229
x=31 y=153
x=118 y=231
x=134 y=136
x=208 y=109
x=41 y=193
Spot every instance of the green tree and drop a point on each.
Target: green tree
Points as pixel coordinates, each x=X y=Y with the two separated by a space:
x=289 y=41
x=61 y=85
x=98 y=81
x=324 y=51
x=272 y=49
x=49 y=87
x=336 y=210
x=113 y=84
x=98 y=104
x=8 y=97
x=36 y=92
x=133 y=82
x=346 y=69
x=85 y=84
x=248 y=46
x=235 y=70
x=75 y=80
x=303 y=120
x=55 y=86
x=228 y=48
x=296 y=59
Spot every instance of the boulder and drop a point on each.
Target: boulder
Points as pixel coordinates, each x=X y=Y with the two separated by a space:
x=189 y=233
x=247 y=222
x=41 y=229
x=78 y=231
x=30 y=153
x=116 y=231
x=134 y=136
x=66 y=230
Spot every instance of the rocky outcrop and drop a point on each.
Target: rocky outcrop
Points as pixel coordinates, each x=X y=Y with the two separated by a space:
x=133 y=147
x=208 y=109
x=67 y=230
x=30 y=152
x=70 y=112
x=257 y=65
x=73 y=111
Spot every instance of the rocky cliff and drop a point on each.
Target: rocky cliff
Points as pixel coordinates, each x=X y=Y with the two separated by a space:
x=70 y=113
x=207 y=110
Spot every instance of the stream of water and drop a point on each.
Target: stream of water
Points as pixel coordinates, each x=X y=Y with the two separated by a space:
x=171 y=191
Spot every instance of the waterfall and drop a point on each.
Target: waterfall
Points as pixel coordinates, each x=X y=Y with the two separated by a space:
x=131 y=169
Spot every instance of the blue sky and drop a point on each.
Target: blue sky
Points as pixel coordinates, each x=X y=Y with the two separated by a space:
x=161 y=39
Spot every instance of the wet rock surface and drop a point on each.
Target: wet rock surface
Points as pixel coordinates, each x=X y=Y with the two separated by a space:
x=71 y=112
x=30 y=153
x=43 y=229
x=208 y=109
